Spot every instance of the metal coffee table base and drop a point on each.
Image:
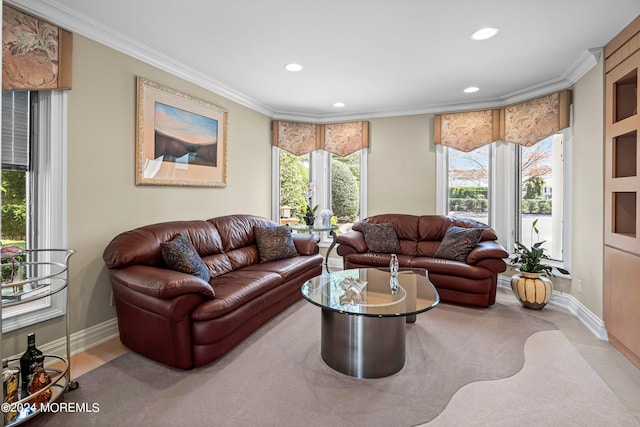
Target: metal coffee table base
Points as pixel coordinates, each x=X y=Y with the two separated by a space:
x=362 y=346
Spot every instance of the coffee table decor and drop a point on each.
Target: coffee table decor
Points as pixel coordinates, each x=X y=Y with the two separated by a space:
x=352 y=290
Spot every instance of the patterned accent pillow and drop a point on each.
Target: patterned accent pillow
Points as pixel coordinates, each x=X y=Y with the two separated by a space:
x=458 y=242
x=180 y=255
x=381 y=238
x=274 y=242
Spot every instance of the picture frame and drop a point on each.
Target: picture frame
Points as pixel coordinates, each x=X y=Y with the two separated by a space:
x=180 y=140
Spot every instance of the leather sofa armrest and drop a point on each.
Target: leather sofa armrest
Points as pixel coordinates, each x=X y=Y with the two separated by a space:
x=160 y=282
x=306 y=244
x=354 y=239
x=486 y=249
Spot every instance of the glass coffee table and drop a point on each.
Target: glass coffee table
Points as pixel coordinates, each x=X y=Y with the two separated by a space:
x=364 y=312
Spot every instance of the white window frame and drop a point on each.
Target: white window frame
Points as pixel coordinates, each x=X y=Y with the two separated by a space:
x=503 y=192
x=320 y=171
x=50 y=162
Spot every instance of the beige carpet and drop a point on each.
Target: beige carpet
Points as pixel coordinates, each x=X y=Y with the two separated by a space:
x=464 y=367
x=555 y=387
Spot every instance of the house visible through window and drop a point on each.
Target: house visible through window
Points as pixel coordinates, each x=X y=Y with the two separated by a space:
x=508 y=187
x=541 y=194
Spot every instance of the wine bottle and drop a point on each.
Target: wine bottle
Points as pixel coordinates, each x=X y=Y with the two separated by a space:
x=31 y=360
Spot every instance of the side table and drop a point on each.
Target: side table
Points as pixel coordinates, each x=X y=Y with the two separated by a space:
x=312 y=229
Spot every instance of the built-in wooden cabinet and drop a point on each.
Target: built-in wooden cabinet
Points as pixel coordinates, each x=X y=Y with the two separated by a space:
x=622 y=192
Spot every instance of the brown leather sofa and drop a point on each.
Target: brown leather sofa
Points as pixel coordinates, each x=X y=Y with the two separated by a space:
x=472 y=282
x=181 y=320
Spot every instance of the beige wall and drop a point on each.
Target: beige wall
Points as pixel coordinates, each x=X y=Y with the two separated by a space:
x=104 y=201
x=401 y=160
x=402 y=163
x=588 y=189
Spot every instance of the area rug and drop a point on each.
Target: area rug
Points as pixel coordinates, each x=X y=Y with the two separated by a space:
x=277 y=378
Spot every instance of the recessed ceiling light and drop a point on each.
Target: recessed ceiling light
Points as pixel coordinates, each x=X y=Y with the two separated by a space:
x=293 y=67
x=484 y=33
x=471 y=89
x=339 y=104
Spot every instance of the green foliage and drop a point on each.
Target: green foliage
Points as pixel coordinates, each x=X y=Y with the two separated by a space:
x=533 y=187
x=14 y=205
x=468 y=192
x=530 y=260
x=353 y=163
x=294 y=177
x=542 y=207
x=468 y=205
x=468 y=199
x=345 y=195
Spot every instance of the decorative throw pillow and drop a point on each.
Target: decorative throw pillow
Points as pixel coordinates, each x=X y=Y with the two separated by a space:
x=381 y=238
x=180 y=255
x=458 y=242
x=274 y=242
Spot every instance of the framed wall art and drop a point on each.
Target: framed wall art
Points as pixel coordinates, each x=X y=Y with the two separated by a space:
x=180 y=140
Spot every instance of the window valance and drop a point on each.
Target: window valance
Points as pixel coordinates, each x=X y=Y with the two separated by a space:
x=338 y=138
x=36 y=55
x=467 y=131
x=528 y=122
x=524 y=123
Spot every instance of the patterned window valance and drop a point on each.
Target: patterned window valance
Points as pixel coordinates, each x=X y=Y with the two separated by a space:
x=467 y=131
x=295 y=137
x=36 y=55
x=532 y=121
x=525 y=123
x=338 y=138
x=346 y=138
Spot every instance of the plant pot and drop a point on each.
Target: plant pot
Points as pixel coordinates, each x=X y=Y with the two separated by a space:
x=309 y=219
x=533 y=290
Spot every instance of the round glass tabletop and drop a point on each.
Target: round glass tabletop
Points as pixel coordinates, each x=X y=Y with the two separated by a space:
x=373 y=292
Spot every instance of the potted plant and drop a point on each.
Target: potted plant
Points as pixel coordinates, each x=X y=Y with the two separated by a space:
x=310 y=214
x=531 y=285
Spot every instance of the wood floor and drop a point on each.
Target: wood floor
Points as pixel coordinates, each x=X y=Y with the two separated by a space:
x=622 y=377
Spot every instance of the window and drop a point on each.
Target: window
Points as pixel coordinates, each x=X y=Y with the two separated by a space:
x=16 y=174
x=468 y=183
x=319 y=178
x=516 y=185
x=34 y=176
x=541 y=193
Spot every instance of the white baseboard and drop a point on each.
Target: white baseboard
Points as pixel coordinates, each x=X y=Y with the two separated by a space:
x=567 y=301
x=95 y=335
x=82 y=340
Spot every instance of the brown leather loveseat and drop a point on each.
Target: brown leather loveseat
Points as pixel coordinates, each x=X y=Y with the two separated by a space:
x=183 y=320
x=470 y=279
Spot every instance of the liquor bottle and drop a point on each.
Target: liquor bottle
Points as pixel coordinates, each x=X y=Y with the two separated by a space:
x=31 y=360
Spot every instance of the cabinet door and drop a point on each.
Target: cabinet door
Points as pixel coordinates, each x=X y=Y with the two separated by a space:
x=622 y=182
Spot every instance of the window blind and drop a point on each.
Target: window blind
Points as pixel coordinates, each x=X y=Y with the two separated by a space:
x=15 y=130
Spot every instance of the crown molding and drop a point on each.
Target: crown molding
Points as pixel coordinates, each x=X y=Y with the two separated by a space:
x=80 y=24
x=72 y=21
x=582 y=66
